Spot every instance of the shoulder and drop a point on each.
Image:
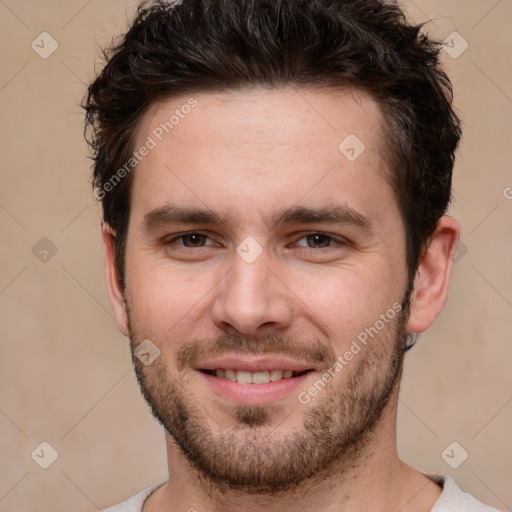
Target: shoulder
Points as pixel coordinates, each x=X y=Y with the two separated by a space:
x=135 y=503
x=453 y=499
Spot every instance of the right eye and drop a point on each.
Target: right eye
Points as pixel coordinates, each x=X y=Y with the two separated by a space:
x=190 y=240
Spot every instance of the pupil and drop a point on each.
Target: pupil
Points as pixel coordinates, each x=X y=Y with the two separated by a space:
x=317 y=240
x=195 y=239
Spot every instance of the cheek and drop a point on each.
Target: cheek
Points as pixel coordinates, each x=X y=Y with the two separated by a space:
x=164 y=299
x=347 y=301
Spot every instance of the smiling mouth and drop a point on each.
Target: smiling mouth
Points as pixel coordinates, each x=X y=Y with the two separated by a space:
x=246 y=377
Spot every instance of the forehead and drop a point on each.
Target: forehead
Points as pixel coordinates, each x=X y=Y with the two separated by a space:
x=260 y=145
x=260 y=115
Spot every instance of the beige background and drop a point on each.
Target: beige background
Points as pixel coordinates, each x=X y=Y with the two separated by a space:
x=65 y=371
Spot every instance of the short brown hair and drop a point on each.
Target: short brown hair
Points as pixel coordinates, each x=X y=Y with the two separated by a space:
x=173 y=48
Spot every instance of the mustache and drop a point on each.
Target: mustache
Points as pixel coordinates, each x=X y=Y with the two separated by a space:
x=312 y=351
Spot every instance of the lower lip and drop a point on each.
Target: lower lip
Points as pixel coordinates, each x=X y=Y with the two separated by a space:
x=254 y=394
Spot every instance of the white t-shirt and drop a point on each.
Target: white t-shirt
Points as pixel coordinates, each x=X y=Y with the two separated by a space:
x=452 y=499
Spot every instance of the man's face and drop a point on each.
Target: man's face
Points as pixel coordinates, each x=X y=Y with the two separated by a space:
x=258 y=281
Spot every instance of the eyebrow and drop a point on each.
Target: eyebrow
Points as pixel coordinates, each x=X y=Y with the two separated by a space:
x=171 y=214
x=331 y=214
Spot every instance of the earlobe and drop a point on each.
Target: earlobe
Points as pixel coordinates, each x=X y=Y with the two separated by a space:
x=113 y=280
x=432 y=277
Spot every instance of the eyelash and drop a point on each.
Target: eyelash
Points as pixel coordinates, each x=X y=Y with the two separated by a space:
x=339 y=240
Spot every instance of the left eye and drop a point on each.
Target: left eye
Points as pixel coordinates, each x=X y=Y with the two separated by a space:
x=192 y=240
x=318 y=240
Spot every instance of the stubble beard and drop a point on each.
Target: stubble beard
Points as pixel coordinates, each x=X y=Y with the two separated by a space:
x=257 y=455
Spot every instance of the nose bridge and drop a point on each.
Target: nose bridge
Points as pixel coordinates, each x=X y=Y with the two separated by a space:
x=250 y=278
x=251 y=295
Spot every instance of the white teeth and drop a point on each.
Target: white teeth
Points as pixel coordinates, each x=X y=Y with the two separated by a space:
x=243 y=377
x=260 y=378
x=231 y=375
x=276 y=375
x=246 y=377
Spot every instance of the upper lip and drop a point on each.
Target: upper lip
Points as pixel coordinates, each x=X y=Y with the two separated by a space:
x=253 y=364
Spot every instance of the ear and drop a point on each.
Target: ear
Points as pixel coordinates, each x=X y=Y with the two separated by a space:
x=431 y=281
x=114 y=287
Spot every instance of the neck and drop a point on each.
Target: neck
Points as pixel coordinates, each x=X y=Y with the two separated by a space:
x=374 y=480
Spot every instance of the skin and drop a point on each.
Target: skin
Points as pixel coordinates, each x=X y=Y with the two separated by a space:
x=247 y=156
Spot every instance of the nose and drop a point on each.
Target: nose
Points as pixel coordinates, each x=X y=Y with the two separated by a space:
x=252 y=299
